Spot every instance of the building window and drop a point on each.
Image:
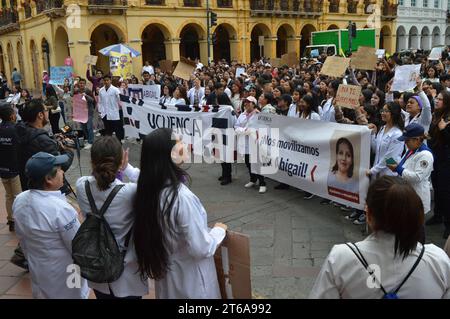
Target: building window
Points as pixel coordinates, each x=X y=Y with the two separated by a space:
x=425 y=3
x=400 y=2
x=154 y=2
x=436 y=4
x=413 y=3
x=192 y=3
x=225 y=3
x=334 y=6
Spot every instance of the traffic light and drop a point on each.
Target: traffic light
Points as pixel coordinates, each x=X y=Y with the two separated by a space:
x=353 y=30
x=213 y=18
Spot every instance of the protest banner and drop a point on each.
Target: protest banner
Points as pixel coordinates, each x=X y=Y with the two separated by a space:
x=364 y=59
x=435 y=54
x=232 y=261
x=166 y=65
x=239 y=72
x=335 y=66
x=348 y=96
x=290 y=59
x=90 y=59
x=144 y=92
x=80 y=108
x=405 y=77
x=303 y=154
x=120 y=65
x=59 y=73
x=184 y=69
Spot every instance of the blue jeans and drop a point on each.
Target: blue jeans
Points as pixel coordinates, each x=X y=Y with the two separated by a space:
x=88 y=130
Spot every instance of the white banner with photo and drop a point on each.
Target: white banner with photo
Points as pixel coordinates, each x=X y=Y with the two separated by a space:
x=197 y=128
x=326 y=159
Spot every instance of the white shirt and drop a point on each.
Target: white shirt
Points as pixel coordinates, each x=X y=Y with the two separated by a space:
x=327 y=113
x=108 y=103
x=45 y=225
x=149 y=69
x=293 y=111
x=385 y=146
x=120 y=218
x=192 y=273
x=343 y=276
x=192 y=92
x=424 y=117
x=240 y=127
x=312 y=116
x=179 y=101
x=227 y=91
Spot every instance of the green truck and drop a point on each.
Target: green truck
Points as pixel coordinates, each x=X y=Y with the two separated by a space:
x=336 y=42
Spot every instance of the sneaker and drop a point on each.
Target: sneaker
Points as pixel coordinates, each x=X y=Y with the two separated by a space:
x=19 y=262
x=361 y=220
x=250 y=185
x=346 y=209
x=220 y=178
x=87 y=146
x=336 y=204
x=308 y=196
x=325 y=202
x=281 y=186
x=353 y=216
x=435 y=220
x=262 y=189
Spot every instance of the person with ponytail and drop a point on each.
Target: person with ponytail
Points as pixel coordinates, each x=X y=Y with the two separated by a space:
x=107 y=158
x=174 y=245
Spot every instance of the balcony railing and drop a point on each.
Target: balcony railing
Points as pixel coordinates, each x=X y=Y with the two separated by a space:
x=225 y=3
x=155 y=2
x=389 y=11
x=9 y=21
x=285 y=8
x=192 y=3
x=52 y=8
x=107 y=6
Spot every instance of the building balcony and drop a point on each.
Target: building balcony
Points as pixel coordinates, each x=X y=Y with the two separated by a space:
x=389 y=11
x=192 y=3
x=108 y=6
x=52 y=8
x=9 y=21
x=225 y=3
x=155 y=2
x=286 y=8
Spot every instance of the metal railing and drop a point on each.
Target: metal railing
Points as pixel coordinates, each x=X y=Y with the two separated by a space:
x=45 y=5
x=155 y=2
x=224 y=3
x=286 y=6
x=122 y=3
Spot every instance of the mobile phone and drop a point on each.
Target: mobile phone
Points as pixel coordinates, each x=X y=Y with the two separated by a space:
x=391 y=161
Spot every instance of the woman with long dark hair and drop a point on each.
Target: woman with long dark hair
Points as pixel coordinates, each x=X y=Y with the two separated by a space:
x=440 y=145
x=173 y=243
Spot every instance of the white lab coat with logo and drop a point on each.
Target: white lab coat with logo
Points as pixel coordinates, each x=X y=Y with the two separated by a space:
x=417 y=171
x=108 y=103
x=343 y=277
x=45 y=225
x=385 y=146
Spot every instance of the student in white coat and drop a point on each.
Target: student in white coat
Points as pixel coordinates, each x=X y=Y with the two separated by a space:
x=45 y=224
x=417 y=164
x=326 y=111
x=385 y=144
x=173 y=243
x=106 y=159
x=418 y=109
x=196 y=93
x=392 y=251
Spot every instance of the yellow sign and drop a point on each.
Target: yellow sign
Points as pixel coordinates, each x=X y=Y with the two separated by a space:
x=120 y=65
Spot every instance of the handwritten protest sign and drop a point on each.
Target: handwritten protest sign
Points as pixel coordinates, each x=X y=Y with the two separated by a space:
x=289 y=59
x=166 y=65
x=348 y=96
x=275 y=62
x=80 y=108
x=90 y=59
x=239 y=72
x=364 y=59
x=405 y=77
x=335 y=66
x=59 y=73
x=436 y=54
x=184 y=69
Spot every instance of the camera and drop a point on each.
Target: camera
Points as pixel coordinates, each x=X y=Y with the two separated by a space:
x=69 y=137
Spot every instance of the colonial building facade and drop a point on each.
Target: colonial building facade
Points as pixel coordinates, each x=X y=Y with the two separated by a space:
x=36 y=34
x=422 y=24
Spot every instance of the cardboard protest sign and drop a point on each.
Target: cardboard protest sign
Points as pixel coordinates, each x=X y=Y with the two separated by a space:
x=90 y=59
x=166 y=65
x=364 y=59
x=239 y=72
x=289 y=59
x=59 y=73
x=120 y=65
x=335 y=66
x=436 y=54
x=405 y=77
x=275 y=62
x=184 y=69
x=80 y=108
x=232 y=260
x=348 y=96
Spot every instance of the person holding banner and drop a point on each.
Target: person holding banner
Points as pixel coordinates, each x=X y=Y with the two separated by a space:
x=196 y=93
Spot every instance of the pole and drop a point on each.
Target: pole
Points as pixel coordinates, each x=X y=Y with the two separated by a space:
x=350 y=37
x=208 y=31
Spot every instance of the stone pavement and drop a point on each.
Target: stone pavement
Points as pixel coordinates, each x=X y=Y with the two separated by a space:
x=290 y=237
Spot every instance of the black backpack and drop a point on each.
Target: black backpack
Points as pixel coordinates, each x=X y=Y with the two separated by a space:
x=392 y=294
x=94 y=247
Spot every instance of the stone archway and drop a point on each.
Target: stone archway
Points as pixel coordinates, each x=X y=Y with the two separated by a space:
x=306 y=35
x=2 y=61
x=285 y=34
x=256 y=52
x=413 y=38
x=10 y=53
x=385 y=39
x=333 y=27
x=190 y=42
x=102 y=36
x=425 y=39
x=402 y=41
x=436 y=37
x=62 y=50
x=153 y=47
x=45 y=49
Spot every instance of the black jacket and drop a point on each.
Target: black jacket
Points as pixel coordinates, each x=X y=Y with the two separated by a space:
x=8 y=150
x=34 y=140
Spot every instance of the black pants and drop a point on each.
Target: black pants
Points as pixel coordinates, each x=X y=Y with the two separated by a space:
x=441 y=186
x=226 y=170
x=254 y=177
x=115 y=126
x=54 y=122
x=100 y=295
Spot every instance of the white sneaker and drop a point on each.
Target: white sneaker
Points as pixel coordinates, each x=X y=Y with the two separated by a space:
x=87 y=146
x=250 y=185
x=262 y=189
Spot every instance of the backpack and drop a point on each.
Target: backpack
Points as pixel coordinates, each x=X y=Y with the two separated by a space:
x=392 y=294
x=94 y=247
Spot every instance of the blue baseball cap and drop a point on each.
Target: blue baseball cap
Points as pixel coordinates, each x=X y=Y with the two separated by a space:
x=41 y=164
x=411 y=131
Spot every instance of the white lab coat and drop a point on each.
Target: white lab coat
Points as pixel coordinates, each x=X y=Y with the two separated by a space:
x=108 y=103
x=312 y=116
x=424 y=117
x=120 y=218
x=293 y=111
x=343 y=277
x=385 y=146
x=326 y=112
x=241 y=125
x=417 y=171
x=45 y=225
x=191 y=95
